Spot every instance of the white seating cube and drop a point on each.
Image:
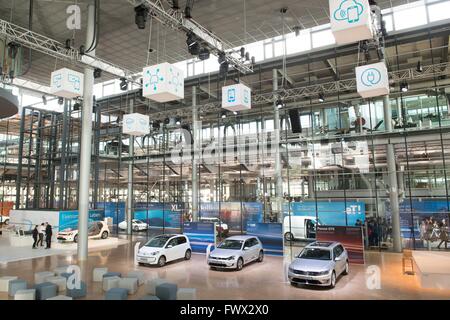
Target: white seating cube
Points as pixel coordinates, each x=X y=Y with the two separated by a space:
x=150 y=285
x=98 y=273
x=187 y=294
x=60 y=297
x=140 y=275
x=110 y=282
x=25 y=294
x=40 y=277
x=60 y=270
x=61 y=282
x=4 y=282
x=130 y=284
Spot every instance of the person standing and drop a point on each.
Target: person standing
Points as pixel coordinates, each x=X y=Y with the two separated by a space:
x=443 y=236
x=40 y=230
x=48 y=235
x=35 y=234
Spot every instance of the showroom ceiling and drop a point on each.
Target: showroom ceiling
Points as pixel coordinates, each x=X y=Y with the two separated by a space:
x=122 y=43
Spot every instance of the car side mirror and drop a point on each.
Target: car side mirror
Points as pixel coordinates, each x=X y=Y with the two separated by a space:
x=246 y=248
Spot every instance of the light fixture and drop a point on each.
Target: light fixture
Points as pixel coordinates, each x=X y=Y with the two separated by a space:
x=419 y=67
x=235 y=112
x=279 y=103
x=175 y=5
x=223 y=115
x=192 y=43
x=223 y=69
x=297 y=30
x=177 y=121
x=123 y=84
x=76 y=106
x=44 y=100
x=97 y=73
x=321 y=97
x=166 y=121
x=188 y=9
x=140 y=18
x=203 y=54
x=404 y=86
x=60 y=100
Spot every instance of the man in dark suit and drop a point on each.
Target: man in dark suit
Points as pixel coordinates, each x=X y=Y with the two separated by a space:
x=48 y=235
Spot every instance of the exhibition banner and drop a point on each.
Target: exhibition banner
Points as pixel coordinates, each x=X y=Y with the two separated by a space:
x=114 y=210
x=159 y=215
x=270 y=235
x=350 y=237
x=69 y=219
x=232 y=213
x=200 y=235
x=334 y=213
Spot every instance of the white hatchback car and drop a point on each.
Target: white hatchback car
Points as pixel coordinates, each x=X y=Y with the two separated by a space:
x=236 y=251
x=164 y=248
x=136 y=225
x=97 y=230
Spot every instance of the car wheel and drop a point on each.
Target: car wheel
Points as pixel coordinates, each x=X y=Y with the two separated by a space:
x=188 y=254
x=288 y=236
x=6 y=222
x=141 y=264
x=346 y=268
x=162 y=261
x=104 y=234
x=333 y=280
x=75 y=239
x=239 y=264
x=261 y=256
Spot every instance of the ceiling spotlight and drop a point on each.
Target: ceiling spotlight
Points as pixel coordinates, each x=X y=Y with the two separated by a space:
x=97 y=73
x=166 y=121
x=253 y=60
x=60 y=100
x=44 y=100
x=123 y=84
x=419 y=67
x=321 y=97
x=297 y=30
x=156 y=124
x=175 y=5
x=242 y=52
x=247 y=56
x=223 y=115
x=203 y=54
x=279 y=103
x=76 y=107
x=192 y=43
x=235 y=112
x=141 y=16
x=177 y=121
x=188 y=9
x=404 y=86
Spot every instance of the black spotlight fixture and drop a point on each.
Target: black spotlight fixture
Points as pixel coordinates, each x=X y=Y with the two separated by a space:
x=279 y=103
x=166 y=121
x=76 y=106
x=297 y=30
x=404 y=86
x=123 y=84
x=156 y=124
x=97 y=73
x=247 y=56
x=419 y=67
x=60 y=100
x=44 y=100
x=140 y=18
x=192 y=43
x=223 y=114
x=253 y=60
x=321 y=97
x=204 y=54
x=188 y=9
x=175 y=5
x=178 y=121
x=223 y=68
x=242 y=52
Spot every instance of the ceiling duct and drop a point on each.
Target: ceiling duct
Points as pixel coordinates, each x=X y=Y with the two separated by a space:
x=9 y=104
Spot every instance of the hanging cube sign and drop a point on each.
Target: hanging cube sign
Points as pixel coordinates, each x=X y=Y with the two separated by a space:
x=163 y=82
x=66 y=83
x=236 y=97
x=372 y=80
x=350 y=20
x=136 y=124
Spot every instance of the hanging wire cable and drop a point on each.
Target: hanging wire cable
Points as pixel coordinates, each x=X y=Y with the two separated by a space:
x=283 y=76
x=94 y=42
x=149 y=40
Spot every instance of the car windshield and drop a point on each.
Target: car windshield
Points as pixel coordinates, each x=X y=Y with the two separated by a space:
x=315 y=254
x=138 y=221
x=157 y=242
x=231 y=244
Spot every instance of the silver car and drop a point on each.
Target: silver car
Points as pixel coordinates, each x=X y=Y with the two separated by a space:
x=234 y=252
x=319 y=264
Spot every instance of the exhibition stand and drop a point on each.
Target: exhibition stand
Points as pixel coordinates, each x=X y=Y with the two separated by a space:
x=432 y=269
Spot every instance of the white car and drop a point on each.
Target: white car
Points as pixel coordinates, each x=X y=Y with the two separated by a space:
x=300 y=227
x=97 y=230
x=234 y=252
x=221 y=227
x=4 y=219
x=164 y=248
x=136 y=225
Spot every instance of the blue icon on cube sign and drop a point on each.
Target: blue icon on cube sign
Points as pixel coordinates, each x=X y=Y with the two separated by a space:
x=154 y=79
x=175 y=79
x=246 y=96
x=57 y=80
x=75 y=81
x=129 y=122
x=370 y=77
x=231 y=95
x=349 y=10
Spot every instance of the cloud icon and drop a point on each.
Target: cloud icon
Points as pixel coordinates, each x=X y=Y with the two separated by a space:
x=349 y=10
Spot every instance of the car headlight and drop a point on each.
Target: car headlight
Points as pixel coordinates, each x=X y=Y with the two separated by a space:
x=231 y=258
x=323 y=273
x=155 y=253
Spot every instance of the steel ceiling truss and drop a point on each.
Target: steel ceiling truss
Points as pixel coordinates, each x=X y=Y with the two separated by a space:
x=58 y=50
x=162 y=12
x=292 y=94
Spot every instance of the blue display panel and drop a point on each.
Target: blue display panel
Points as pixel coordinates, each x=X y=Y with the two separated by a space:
x=200 y=235
x=114 y=210
x=336 y=213
x=230 y=213
x=270 y=235
x=69 y=219
x=158 y=215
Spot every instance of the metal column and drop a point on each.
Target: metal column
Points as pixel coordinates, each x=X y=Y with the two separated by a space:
x=392 y=177
x=130 y=178
x=85 y=146
x=195 y=136
x=276 y=151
